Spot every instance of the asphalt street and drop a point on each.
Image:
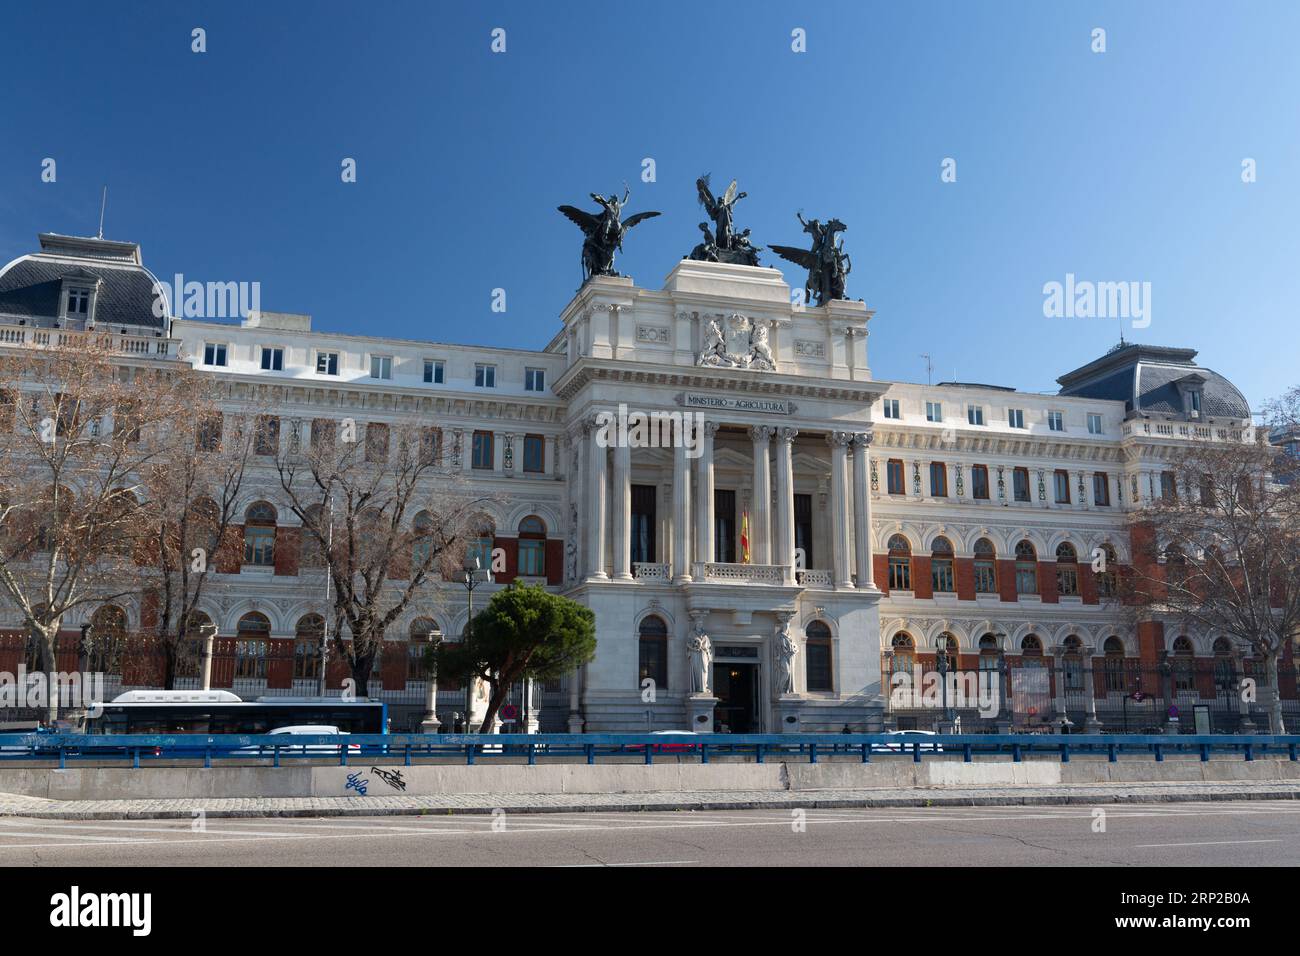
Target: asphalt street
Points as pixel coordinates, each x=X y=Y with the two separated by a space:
x=1213 y=834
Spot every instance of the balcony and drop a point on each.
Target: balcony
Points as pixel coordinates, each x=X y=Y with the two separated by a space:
x=36 y=337
x=654 y=573
x=1186 y=431
x=770 y=574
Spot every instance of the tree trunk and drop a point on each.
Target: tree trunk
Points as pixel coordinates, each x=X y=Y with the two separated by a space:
x=169 y=651
x=49 y=665
x=362 y=667
x=1275 y=724
x=495 y=700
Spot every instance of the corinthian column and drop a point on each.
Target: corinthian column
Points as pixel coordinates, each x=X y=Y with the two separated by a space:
x=839 y=442
x=862 y=508
x=784 y=550
x=760 y=533
x=704 y=494
x=622 y=511
x=681 y=514
x=597 y=469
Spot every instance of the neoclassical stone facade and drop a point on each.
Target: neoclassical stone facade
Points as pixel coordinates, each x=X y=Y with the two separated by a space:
x=764 y=531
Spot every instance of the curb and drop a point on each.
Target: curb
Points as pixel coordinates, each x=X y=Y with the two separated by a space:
x=812 y=803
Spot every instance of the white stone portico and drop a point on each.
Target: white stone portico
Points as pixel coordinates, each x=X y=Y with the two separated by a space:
x=773 y=404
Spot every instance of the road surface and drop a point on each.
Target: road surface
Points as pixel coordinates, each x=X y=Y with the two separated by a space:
x=1248 y=833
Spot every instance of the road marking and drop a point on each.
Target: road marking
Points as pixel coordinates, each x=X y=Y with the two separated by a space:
x=579 y=866
x=1156 y=846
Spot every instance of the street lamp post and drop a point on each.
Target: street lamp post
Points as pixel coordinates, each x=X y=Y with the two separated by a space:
x=942 y=664
x=473 y=577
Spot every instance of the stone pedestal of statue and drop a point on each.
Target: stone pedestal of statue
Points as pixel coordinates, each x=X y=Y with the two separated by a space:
x=786 y=713
x=699 y=713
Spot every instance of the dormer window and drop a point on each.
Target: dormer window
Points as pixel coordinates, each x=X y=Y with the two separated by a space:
x=1194 y=403
x=79 y=302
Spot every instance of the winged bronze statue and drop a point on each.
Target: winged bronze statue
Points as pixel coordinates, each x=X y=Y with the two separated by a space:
x=603 y=232
x=723 y=244
x=827 y=263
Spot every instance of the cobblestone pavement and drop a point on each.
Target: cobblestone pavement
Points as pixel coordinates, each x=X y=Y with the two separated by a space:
x=16 y=805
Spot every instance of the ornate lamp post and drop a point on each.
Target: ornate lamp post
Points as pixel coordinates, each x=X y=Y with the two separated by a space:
x=941 y=663
x=472 y=577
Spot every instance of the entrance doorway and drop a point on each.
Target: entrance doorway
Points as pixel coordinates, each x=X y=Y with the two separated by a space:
x=736 y=687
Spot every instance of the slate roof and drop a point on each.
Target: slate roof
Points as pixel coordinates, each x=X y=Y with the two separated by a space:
x=29 y=288
x=1146 y=377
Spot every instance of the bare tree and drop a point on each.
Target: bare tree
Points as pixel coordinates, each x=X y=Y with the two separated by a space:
x=384 y=516
x=193 y=491
x=79 y=427
x=1222 y=553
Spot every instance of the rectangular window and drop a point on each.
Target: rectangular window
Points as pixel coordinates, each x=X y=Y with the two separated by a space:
x=214 y=354
x=1061 y=483
x=941 y=575
x=485 y=376
x=266 y=441
x=327 y=363
x=376 y=442
x=819 y=666
x=891 y=408
x=938 y=480
x=534 y=380
x=643 y=524
x=1168 y=487
x=1100 y=489
x=272 y=359
x=1056 y=421
x=979 y=482
x=534 y=454
x=78 y=301
x=933 y=412
x=803 y=528
x=483 y=458
x=724 y=526
x=1016 y=417
x=1094 y=423
x=1020 y=484
x=1067 y=581
x=381 y=366
x=986 y=578
x=1195 y=402
x=652 y=661
x=259 y=546
x=975 y=414
x=433 y=371
x=894 y=477
x=900 y=573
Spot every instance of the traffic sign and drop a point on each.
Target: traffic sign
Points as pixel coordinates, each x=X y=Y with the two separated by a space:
x=509 y=711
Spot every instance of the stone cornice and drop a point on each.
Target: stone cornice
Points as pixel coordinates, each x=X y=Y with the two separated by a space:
x=587 y=370
x=940 y=442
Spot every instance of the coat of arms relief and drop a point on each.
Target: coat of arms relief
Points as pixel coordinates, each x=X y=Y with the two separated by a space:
x=737 y=341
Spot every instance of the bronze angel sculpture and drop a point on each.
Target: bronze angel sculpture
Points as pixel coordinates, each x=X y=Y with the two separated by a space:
x=827 y=263
x=724 y=244
x=604 y=232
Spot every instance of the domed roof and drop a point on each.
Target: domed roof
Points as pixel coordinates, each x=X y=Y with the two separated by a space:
x=1156 y=380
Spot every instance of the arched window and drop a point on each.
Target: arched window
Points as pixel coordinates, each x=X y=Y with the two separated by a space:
x=946 y=647
x=422 y=545
x=1072 y=662
x=1113 y=664
x=941 y=576
x=1184 y=664
x=900 y=564
x=990 y=653
x=306 y=647
x=107 y=638
x=251 y=646
x=532 y=547
x=1026 y=568
x=425 y=636
x=986 y=568
x=652 y=652
x=904 y=652
x=817 y=664
x=259 y=535
x=1225 y=668
x=1067 y=569
x=1106 y=580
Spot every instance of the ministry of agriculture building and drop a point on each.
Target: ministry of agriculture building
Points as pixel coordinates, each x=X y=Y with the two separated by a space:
x=819 y=528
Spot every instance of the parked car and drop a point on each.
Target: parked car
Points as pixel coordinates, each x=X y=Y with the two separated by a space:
x=906 y=738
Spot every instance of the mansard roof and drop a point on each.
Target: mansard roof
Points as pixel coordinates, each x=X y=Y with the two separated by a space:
x=30 y=285
x=1151 y=380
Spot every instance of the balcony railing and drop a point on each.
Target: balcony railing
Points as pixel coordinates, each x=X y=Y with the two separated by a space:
x=811 y=578
x=1190 y=432
x=775 y=574
x=644 y=571
x=34 y=337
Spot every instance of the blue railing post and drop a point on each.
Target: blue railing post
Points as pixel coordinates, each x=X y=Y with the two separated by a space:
x=1065 y=753
x=704 y=753
x=469 y=755
x=758 y=753
x=965 y=753
x=1111 y=756
x=207 y=758
x=276 y=751
x=1250 y=751
x=1290 y=752
x=63 y=757
x=532 y=753
x=649 y=753
x=591 y=753
x=866 y=752
x=812 y=753
x=1015 y=753
x=1205 y=752
x=1159 y=752
x=916 y=753
x=407 y=760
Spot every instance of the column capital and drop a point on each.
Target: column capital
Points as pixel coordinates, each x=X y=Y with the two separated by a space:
x=864 y=439
x=711 y=428
x=787 y=434
x=761 y=433
x=839 y=439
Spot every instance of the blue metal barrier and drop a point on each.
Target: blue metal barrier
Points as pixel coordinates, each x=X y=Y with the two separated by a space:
x=277 y=749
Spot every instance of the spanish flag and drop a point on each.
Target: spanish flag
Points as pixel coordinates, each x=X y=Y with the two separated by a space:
x=744 y=537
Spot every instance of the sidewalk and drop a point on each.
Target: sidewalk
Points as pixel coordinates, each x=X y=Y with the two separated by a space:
x=1090 y=794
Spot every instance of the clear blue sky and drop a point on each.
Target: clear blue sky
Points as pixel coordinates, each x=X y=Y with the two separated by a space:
x=1118 y=166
